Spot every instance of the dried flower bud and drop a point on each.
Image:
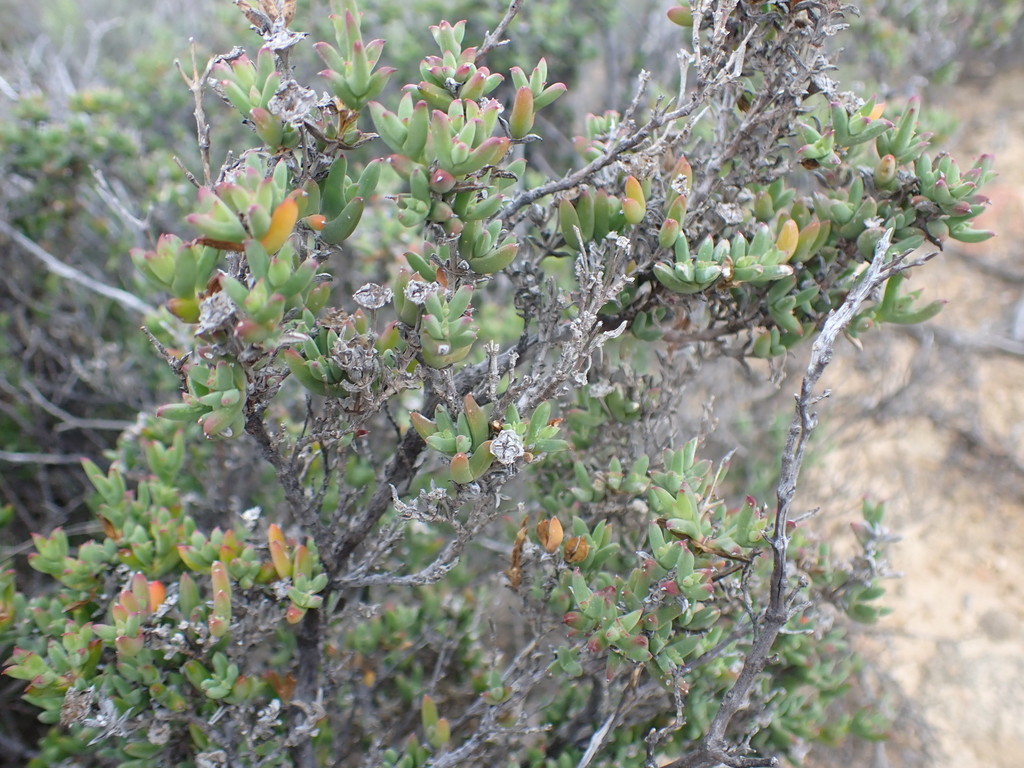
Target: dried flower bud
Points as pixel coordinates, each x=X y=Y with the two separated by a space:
x=550 y=534
x=575 y=550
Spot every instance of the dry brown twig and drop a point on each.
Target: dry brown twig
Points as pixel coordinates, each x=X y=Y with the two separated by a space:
x=196 y=84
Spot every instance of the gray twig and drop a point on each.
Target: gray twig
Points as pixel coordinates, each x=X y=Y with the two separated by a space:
x=195 y=86
x=76 y=276
x=713 y=748
x=494 y=39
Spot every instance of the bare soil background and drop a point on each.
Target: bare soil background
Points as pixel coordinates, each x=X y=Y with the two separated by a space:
x=940 y=436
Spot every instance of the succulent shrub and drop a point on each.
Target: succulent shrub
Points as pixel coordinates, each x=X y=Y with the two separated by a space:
x=480 y=534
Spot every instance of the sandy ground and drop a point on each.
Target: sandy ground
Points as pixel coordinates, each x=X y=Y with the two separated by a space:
x=942 y=440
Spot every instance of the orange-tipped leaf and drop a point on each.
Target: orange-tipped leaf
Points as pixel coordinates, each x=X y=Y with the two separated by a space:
x=281 y=225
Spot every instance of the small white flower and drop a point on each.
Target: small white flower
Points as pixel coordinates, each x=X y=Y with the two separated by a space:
x=417 y=291
x=250 y=516
x=159 y=733
x=730 y=213
x=77 y=705
x=215 y=313
x=373 y=296
x=281 y=588
x=507 y=447
x=292 y=102
x=212 y=759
